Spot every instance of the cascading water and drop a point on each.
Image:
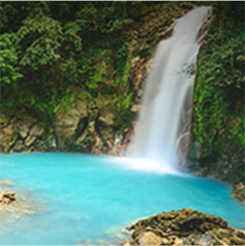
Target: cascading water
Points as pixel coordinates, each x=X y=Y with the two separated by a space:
x=166 y=91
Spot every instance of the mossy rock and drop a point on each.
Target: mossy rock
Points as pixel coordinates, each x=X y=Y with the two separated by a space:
x=188 y=226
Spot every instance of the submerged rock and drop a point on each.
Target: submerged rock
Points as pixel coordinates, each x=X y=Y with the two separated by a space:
x=6 y=182
x=184 y=227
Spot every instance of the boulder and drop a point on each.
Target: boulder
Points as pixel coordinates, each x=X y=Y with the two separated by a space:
x=45 y=143
x=149 y=238
x=184 y=227
x=65 y=126
x=23 y=131
x=8 y=138
x=36 y=131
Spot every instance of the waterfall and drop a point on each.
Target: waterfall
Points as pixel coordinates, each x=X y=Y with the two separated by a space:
x=167 y=93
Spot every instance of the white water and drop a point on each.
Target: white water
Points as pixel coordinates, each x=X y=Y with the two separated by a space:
x=168 y=89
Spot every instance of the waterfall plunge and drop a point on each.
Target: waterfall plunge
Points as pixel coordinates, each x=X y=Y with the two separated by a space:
x=168 y=89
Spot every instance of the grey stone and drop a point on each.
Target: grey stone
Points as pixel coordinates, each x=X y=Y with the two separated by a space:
x=18 y=145
x=36 y=131
x=23 y=131
x=30 y=139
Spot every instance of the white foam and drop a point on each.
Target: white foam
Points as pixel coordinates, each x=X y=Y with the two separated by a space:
x=146 y=165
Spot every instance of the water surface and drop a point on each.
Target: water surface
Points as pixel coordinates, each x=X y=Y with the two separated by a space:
x=93 y=197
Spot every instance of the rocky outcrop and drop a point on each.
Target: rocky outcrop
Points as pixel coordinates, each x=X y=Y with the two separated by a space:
x=227 y=164
x=22 y=133
x=86 y=128
x=184 y=227
x=81 y=129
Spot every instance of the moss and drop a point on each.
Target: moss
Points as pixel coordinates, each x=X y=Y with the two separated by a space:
x=217 y=127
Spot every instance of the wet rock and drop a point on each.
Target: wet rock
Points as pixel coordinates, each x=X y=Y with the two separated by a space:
x=46 y=143
x=125 y=243
x=7 y=198
x=184 y=227
x=238 y=192
x=202 y=239
x=136 y=108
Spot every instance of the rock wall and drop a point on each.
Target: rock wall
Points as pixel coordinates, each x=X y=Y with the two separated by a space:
x=79 y=130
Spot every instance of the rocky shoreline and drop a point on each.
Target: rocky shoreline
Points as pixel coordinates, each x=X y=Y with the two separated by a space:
x=184 y=227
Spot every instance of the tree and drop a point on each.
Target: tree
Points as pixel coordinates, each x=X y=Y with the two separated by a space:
x=8 y=60
x=39 y=40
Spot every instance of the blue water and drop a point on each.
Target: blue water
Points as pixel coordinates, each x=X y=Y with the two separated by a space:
x=92 y=197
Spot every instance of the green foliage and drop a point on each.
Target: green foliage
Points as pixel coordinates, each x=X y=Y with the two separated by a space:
x=8 y=60
x=218 y=122
x=105 y=17
x=39 y=39
x=124 y=116
x=58 y=47
x=224 y=66
x=71 y=41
